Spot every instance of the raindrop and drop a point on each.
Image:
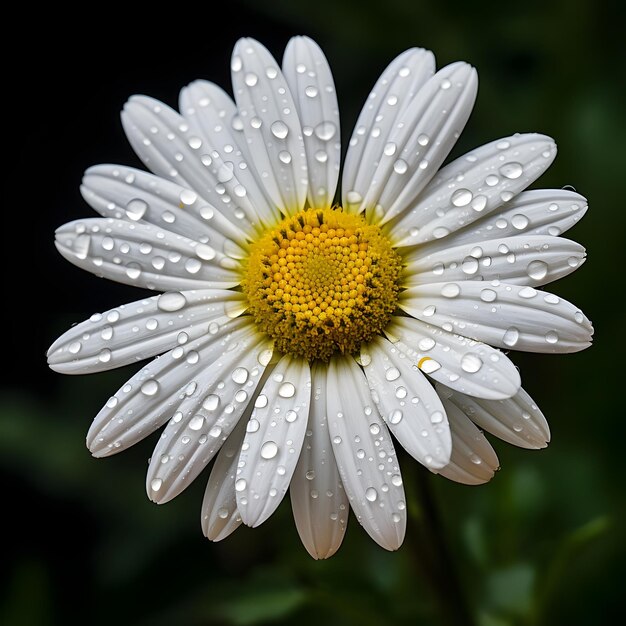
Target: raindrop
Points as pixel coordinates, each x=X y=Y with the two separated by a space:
x=488 y=295
x=240 y=375
x=253 y=425
x=286 y=390
x=479 y=203
x=469 y=265
x=104 y=356
x=325 y=131
x=261 y=401
x=492 y=180
x=461 y=197
x=428 y=365
x=211 y=402
x=149 y=387
x=425 y=344
x=285 y=157
x=321 y=156
x=279 y=129
x=392 y=374
x=136 y=209
x=193 y=266
x=537 y=270
x=445 y=84
x=512 y=170
x=400 y=167
x=371 y=494
x=291 y=416
x=269 y=450
x=450 y=290
x=527 y=292
x=354 y=197
x=240 y=485
x=251 y=79
x=429 y=311
x=188 y=197
x=471 y=363
x=171 y=301
x=423 y=140
x=390 y=149
x=311 y=91
x=196 y=422
x=511 y=336
x=374 y=429
x=436 y=417
x=156 y=484
x=552 y=336
x=519 y=221
x=396 y=480
x=75 y=347
x=395 y=417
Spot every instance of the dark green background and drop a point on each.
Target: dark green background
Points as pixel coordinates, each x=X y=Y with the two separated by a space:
x=542 y=544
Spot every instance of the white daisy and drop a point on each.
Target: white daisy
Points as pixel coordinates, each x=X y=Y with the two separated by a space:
x=297 y=335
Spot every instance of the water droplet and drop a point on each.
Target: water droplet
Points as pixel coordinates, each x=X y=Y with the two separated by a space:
x=74 y=347
x=492 y=180
x=261 y=401
x=552 y=336
x=279 y=129
x=479 y=203
x=488 y=295
x=371 y=494
x=436 y=417
x=269 y=450
x=193 y=266
x=425 y=344
x=171 y=301
x=321 y=156
x=503 y=145
x=240 y=375
x=253 y=425
x=428 y=365
x=579 y=317
x=440 y=232
x=251 y=79
x=311 y=91
x=354 y=197
x=188 y=197
x=512 y=170
x=423 y=140
x=156 y=484
x=240 y=484
x=286 y=390
x=429 y=311
x=450 y=290
x=471 y=363
x=390 y=149
x=392 y=374
x=374 y=429
x=445 y=84
x=211 y=402
x=337 y=440
x=400 y=166
x=537 y=270
x=461 y=197
x=511 y=336
x=401 y=393
x=104 y=356
x=256 y=122
x=325 y=131
x=136 y=209
x=196 y=422
x=527 y=292
x=149 y=387
x=469 y=265
x=573 y=261
x=395 y=417
x=519 y=221
x=475 y=459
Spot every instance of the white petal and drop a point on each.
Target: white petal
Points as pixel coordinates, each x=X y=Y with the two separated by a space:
x=311 y=82
x=408 y=403
x=470 y=367
x=139 y=330
x=144 y=255
x=472 y=186
x=273 y=440
x=473 y=460
x=318 y=500
x=270 y=124
x=220 y=516
x=418 y=142
x=502 y=315
x=127 y=193
x=365 y=454
x=519 y=260
x=154 y=393
x=536 y=212
x=392 y=93
x=213 y=119
x=516 y=420
x=206 y=417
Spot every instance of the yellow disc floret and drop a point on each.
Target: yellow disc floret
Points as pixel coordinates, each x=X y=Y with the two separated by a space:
x=322 y=282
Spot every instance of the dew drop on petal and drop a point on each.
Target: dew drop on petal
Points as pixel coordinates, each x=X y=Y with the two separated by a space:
x=240 y=375
x=488 y=295
x=471 y=363
x=136 y=209
x=149 y=387
x=286 y=390
x=461 y=197
x=325 y=131
x=511 y=336
x=171 y=301
x=371 y=494
x=450 y=290
x=392 y=374
x=519 y=221
x=512 y=170
x=537 y=270
x=552 y=337
x=279 y=129
x=269 y=450
x=196 y=422
x=156 y=484
x=240 y=484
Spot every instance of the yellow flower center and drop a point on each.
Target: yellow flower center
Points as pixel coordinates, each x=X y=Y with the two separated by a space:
x=322 y=282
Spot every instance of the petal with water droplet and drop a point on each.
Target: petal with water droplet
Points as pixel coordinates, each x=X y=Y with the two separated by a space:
x=270 y=452
x=205 y=418
x=115 y=249
x=393 y=182
x=365 y=455
x=477 y=173
x=142 y=329
x=486 y=312
x=392 y=93
x=470 y=367
x=319 y=502
x=473 y=460
x=409 y=417
x=130 y=415
x=270 y=125
x=518 y=260
x=516 y=420
x=315 y=98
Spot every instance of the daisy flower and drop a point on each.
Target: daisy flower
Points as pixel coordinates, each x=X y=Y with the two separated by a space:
x=301 y=339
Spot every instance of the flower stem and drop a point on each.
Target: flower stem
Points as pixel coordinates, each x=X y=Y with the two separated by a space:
x=432 y=555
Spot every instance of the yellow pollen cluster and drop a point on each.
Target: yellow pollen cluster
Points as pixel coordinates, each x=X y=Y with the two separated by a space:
x=322 y=282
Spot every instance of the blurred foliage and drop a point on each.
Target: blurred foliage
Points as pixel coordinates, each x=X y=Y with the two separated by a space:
x=543 y=544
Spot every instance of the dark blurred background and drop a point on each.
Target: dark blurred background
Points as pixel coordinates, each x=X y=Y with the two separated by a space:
x=543 y=543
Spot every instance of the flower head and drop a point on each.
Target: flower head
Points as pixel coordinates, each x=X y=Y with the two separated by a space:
x=298 y=335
